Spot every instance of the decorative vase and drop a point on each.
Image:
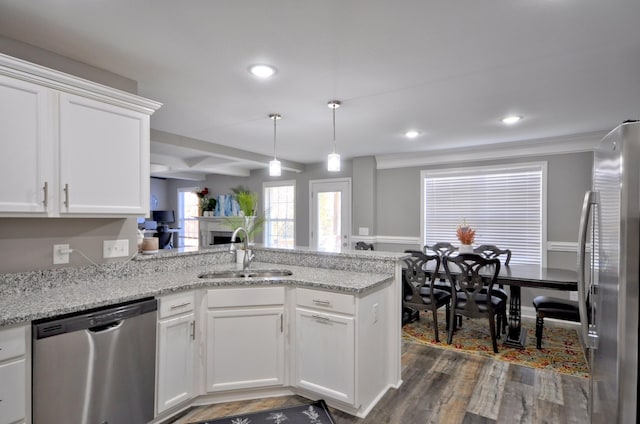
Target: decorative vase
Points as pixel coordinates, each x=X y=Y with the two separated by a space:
x=200 y=211
x=465 y=248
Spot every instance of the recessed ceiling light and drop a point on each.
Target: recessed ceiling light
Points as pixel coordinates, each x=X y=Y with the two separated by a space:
x=262 y=71
x=412 y=133
x=510 y=120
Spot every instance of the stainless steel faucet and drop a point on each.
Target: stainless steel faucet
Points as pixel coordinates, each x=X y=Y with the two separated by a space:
x=246 y=260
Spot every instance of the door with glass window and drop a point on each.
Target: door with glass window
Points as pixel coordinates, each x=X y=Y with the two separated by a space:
x=330 y=214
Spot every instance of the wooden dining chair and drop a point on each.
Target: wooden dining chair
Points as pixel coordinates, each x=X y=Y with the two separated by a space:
x=470 y=273
x=363 y=246
x=419 y=291
x=491 y=251
x=443 y=249
x=553 y=307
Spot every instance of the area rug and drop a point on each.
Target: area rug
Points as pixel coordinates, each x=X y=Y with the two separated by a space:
x=561 y=350
x=310 y=413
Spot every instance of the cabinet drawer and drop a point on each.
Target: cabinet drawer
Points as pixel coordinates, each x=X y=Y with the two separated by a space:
x=12 y=391
x=326 y=301
x=12 y=342
x=245 y=296
x=176 y=304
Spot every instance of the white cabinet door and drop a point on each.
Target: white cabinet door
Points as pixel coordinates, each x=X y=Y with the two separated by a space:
x=12 y=391
x=176 y=349
x=104 y=158
x=325 y=354
x=26 y=137
x=245 y=348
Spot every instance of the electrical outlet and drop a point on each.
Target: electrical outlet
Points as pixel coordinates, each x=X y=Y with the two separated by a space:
x=115 y=248
x=374 y=313
x=58 y=256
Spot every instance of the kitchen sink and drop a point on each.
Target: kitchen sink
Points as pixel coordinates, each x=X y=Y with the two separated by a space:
x=255 y=273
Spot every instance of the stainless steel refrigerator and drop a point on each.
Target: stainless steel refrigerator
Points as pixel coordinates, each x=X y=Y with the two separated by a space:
x=608 y=276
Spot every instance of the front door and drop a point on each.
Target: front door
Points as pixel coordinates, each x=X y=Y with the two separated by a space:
x=330 y=214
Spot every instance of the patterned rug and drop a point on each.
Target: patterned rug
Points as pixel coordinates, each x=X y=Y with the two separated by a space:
x=311 y=413
x=561 y=350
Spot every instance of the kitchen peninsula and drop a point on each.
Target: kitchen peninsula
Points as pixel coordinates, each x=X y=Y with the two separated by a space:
x=327 y=331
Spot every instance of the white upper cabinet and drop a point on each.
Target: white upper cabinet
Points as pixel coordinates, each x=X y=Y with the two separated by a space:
x=104 y=157
x=72 y=147
x=27 y=141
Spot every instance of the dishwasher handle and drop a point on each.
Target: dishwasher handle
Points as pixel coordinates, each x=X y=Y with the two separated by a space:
x=106 y=327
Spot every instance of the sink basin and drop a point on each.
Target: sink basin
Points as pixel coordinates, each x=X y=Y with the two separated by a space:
x=253 y=273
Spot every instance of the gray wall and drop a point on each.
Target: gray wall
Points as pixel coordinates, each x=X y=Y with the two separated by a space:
x=34 y=54
x=569 y=176
x=222 y=184
x=364 y=194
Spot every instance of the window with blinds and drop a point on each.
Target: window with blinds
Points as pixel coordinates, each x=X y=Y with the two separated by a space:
x=505 y=205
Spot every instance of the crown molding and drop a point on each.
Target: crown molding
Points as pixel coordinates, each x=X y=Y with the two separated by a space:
x=574 y=143
x=40 y=75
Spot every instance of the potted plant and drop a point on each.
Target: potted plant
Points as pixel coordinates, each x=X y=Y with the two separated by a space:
x=248 y=205
x=466 y=235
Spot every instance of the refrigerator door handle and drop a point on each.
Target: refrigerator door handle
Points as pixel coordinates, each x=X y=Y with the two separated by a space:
x=590 y=200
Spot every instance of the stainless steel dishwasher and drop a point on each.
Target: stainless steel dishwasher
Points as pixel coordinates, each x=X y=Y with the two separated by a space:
x=96 y=367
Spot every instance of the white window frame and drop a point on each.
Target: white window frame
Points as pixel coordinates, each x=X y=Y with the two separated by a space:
x=483 y=170
x=271 y=184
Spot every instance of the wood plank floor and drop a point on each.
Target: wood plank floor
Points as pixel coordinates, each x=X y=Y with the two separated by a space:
x=444 y=386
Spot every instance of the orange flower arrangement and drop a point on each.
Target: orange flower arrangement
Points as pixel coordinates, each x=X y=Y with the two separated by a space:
x=465 y=234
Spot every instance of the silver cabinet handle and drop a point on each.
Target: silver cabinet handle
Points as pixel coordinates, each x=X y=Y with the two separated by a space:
x=321 y=318
x=193 y=330
x=322 y=302
x=45 y=188
x=180 y=305
x=66 y=195
x=281 y=323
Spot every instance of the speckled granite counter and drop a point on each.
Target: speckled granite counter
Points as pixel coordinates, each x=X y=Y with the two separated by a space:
x=29 y=296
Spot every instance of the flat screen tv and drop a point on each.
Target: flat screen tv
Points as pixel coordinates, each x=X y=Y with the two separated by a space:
x=163 y=217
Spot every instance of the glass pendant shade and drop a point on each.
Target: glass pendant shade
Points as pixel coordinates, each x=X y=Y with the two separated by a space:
x=275 y=170
x=333 y=162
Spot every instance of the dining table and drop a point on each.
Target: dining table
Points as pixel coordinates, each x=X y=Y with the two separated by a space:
x=517 y=276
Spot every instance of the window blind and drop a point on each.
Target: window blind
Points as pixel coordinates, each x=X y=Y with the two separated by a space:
x=504 y=206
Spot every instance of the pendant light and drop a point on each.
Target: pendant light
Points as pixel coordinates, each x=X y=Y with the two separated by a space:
x=333 y=160
x=275 y=170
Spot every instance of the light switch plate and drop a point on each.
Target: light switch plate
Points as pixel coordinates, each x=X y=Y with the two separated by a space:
x=115 y=248
x=363 y=231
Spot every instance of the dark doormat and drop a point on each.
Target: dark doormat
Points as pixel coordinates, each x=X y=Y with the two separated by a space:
x=310 y=413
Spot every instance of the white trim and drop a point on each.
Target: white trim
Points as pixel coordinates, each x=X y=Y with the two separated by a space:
x=27 y=71
x=574 y=143
x=562 y=246
x=280 y=183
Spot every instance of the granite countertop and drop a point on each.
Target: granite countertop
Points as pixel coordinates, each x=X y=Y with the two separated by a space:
x=86 y=294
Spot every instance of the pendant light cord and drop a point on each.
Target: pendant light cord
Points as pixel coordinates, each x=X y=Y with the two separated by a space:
x=334 y=128
x=274 y=136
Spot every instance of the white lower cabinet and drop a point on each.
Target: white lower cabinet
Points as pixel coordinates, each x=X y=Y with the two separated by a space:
x=325 y=344
x=245 y=338
x=14 y=387
x=176 y=351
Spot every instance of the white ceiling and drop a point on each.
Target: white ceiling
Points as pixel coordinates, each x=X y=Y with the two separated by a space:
x=450 y=69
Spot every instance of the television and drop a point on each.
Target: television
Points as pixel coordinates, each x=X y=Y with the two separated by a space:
x=163 y=217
